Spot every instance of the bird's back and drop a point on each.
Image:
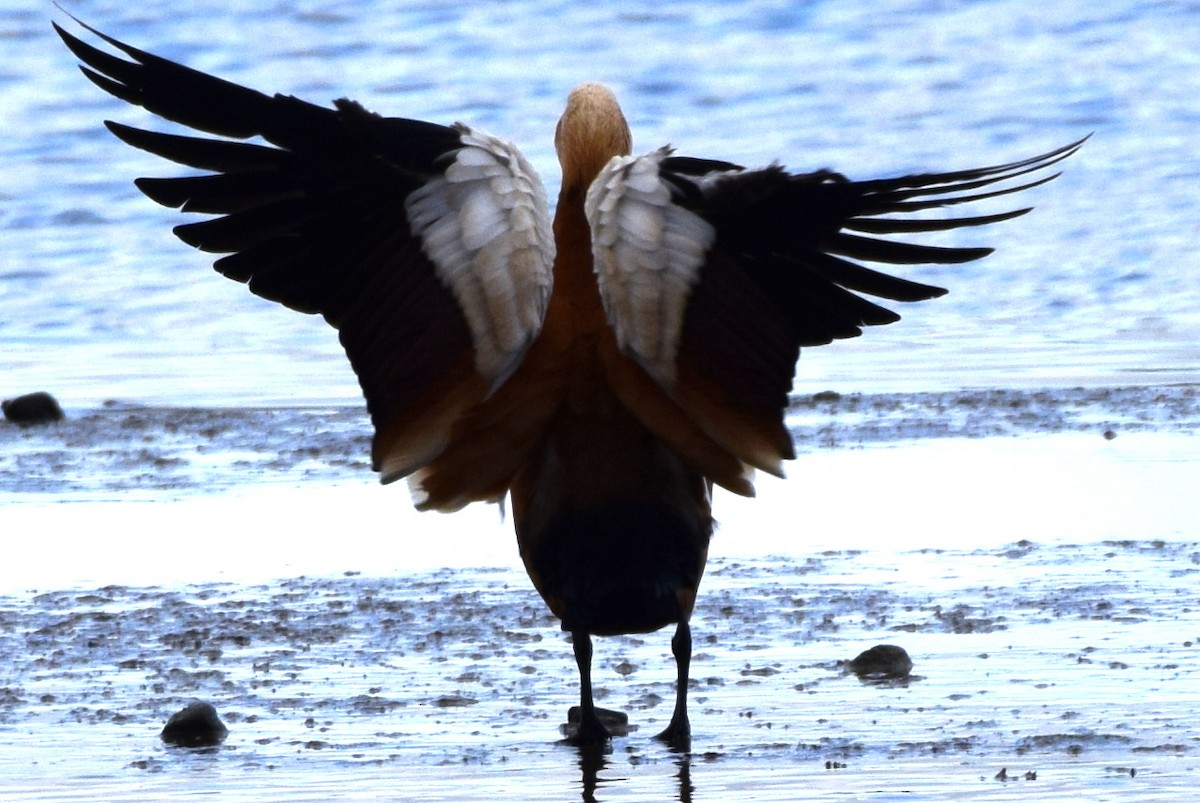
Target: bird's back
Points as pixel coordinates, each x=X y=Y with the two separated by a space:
x=613 y=525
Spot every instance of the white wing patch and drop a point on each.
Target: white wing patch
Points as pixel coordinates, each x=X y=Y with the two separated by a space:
x=485 y=225
x=648 y=252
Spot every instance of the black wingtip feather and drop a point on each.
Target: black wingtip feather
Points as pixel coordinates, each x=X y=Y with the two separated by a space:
x=868 y=225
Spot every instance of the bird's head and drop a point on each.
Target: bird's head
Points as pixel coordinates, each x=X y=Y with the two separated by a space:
x=591 y=131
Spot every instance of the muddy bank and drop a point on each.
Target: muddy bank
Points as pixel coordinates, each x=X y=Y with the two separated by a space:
x=1034 y=553
x=122 y=447
x=1076 y=663
x=828 y=419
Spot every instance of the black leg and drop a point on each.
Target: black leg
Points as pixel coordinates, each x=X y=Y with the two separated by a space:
x=591 y=731
x=678 y=734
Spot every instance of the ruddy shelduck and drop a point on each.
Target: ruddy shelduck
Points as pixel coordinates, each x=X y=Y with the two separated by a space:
x=602 y=370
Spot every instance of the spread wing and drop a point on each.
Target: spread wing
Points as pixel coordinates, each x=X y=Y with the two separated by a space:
x=428 y=247
x=713 y=276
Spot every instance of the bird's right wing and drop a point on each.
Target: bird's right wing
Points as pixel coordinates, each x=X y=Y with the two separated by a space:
x=713 y=276
x=428 y=247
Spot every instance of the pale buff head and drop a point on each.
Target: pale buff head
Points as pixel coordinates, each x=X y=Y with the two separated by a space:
x=591 y=131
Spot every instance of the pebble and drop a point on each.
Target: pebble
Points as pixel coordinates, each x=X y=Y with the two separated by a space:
x=197 y=725
x=32 y=408
x=882 y=661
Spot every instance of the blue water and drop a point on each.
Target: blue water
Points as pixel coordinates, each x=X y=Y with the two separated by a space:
x=1100 y=285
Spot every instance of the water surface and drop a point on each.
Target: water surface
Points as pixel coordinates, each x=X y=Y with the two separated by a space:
x=1100 y=284
x=1003 y=483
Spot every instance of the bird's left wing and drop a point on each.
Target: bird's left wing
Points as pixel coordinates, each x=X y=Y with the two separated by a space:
x=428 y=247
x=713 y=276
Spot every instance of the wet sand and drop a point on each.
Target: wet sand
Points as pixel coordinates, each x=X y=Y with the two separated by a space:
x=1055 y=633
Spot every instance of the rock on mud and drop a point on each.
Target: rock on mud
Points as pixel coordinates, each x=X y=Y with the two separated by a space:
x=882 y=661
x=615 y=722
x=32 y=408
x=197 y=725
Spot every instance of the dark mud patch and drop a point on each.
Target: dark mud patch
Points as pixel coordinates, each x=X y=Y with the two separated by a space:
x=124 y=448
x=828 y=419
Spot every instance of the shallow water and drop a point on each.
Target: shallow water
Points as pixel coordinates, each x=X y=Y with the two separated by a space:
x=1074 y=662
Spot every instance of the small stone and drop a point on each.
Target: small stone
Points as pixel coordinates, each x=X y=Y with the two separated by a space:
x=32 y=409
x=1109 y=434
x=615 y=722
x=882 y=661
x=197 y=725
x=608 y=717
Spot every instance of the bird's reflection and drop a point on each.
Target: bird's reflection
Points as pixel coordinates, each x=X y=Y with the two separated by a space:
x=684 y=762
x=594 y=759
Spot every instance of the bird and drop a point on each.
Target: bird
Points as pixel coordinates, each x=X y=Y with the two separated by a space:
x=602 y=368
